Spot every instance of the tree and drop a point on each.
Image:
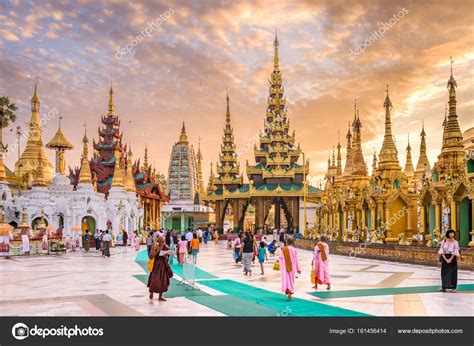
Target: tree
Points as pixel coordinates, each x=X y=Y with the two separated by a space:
x=7 y=116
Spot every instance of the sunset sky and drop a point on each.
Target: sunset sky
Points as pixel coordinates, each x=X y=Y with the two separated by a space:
x=181 y=71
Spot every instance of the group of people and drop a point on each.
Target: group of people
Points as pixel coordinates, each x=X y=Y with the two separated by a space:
x=102 y=240
x=246 y=250
x=163 y=245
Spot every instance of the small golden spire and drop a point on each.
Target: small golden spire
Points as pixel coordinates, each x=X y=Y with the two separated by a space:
x=111 y=101
x=129 y=183
x=23 y=222
x=183 y=138
x=276 y=60
x=145 y=160
x=85 y=175
x=41 y=224
x=118 y=179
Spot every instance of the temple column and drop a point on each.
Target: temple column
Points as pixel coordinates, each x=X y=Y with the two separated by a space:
x=217 y=214
x=344 y=226
x=182 y=221
x=236 y=212
x=259 y=213
x=358 y=218
x=471 y=243
x=422 y=220
x=438 y=216
x=277 y=214
x=409 y=228
x=388 y=227
x=454 y=216
x=373 y=218
x=295 y=213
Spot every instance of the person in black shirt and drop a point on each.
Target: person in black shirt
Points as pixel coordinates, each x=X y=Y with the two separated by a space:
x=247 y=251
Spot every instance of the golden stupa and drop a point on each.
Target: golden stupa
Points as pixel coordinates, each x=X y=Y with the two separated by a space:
x=29 y=160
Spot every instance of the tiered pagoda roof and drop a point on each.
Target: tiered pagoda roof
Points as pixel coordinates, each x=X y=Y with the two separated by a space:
x=228 y=169
x=109 y=146
x=276 y=156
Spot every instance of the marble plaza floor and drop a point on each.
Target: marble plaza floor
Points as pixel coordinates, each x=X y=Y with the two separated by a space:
x=79 y=284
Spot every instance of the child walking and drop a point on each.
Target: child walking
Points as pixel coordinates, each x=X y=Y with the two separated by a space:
x=182 y=250
x=262 y=255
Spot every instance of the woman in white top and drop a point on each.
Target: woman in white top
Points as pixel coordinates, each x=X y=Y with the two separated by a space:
x=449 y=254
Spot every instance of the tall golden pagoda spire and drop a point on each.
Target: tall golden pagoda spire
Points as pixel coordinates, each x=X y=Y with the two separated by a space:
x=348 y=165
x=409 y=170
x=183 y=138
x=34 y=149
x=210 y=185
x=85 y=176
x=199 y=158
x=388 y=157
x=129 y=182
x=228 y=169
x=451 y=161
x=359 y=166
x=276 y=60
x=118 y=179
x=339 y=158
x=145 y=165
x=423 y=162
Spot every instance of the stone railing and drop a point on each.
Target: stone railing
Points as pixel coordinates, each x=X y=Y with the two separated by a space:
x=414 y=254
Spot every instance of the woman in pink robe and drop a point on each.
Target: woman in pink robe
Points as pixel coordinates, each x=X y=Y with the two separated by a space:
x=289 y=266
x=321 y=264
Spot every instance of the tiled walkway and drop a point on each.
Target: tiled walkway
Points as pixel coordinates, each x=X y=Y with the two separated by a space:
x=81 y=284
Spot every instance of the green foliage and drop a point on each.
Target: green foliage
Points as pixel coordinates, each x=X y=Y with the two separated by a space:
x=7 y=112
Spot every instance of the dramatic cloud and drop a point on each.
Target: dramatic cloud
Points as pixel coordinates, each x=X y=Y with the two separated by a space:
x=181 y=56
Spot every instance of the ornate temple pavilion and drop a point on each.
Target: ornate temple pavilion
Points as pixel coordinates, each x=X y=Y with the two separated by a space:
x=276 y=181
x=112 y=168
x=401 y=206
x=59 y=203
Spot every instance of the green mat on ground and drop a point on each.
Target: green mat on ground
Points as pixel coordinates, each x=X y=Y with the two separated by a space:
x=384 y=291
x=176 y=289
x=142 y=260
x=234 y=306
x=276 y=301
x=141 y=256
x=200 y=274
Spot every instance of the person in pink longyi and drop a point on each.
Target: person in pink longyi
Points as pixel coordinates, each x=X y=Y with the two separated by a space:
x=321 y=264
x=289 y=266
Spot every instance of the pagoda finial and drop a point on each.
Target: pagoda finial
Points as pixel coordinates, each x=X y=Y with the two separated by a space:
x=111 y=100
x=183 y=138
x=227 y=114
x=387 y=104
x=129 y=182
x=85 y=175
x=35 y=100
x=199 y=154
x=276 y=61
x=84 y=139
